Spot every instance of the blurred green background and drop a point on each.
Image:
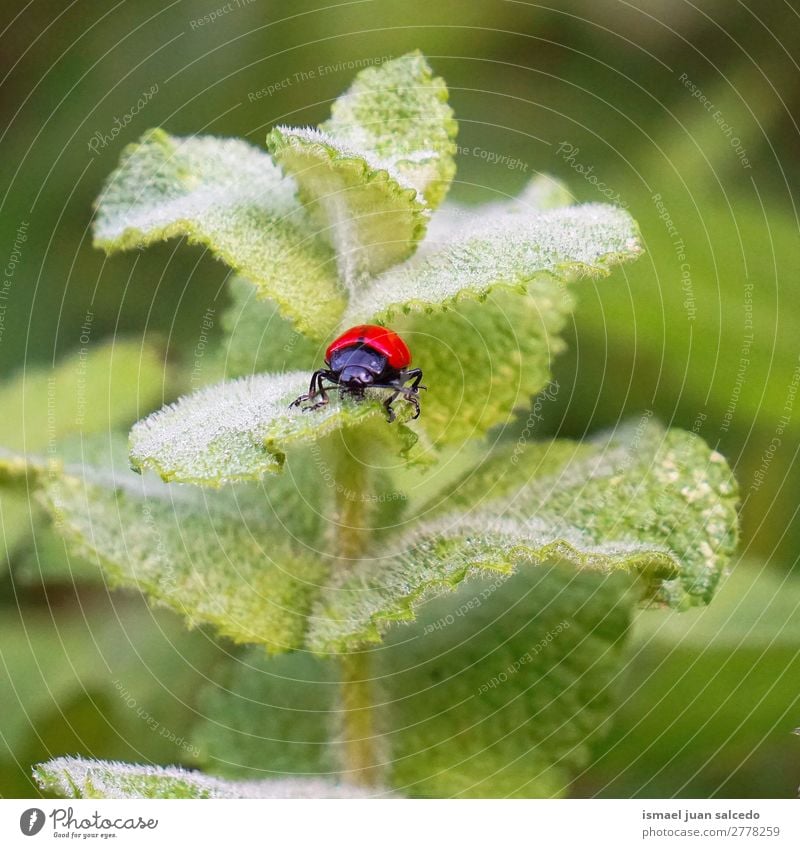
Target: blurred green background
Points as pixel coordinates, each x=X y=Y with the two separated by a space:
x=685 y=113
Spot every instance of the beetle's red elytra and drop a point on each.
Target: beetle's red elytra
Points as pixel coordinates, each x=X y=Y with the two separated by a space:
x=381 y=339
x=366 y=357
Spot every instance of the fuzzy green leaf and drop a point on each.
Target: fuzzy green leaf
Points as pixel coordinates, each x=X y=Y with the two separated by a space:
x=505 y=245
x=233 y=199
x=658 y=503
x=502 y=358
x=490 y=351
x=270 y=717
x=497 y=690
x=259 y=339
x=78 y=682
x=481 y=360
x=542 y=193
x=15 y=521
x=104 y=386
x=48 y=562
x=375 y=169
x=74 y=777
x=505 y=342
x=502 y=689
x=398 y=113
x=241 y=430
x=233 y=560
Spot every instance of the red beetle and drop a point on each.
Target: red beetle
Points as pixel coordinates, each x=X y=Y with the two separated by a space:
x=364 y=357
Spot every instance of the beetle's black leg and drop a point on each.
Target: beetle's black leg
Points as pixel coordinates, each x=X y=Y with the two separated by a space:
x=321 y=390
x=315 y=388
x=410 y=395
x=387 y=405
x=312 y=390
x=323 y=398
x=415 y=374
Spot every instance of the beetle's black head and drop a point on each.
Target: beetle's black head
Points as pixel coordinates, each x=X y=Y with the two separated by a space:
x=357 y=368
x=355 y=379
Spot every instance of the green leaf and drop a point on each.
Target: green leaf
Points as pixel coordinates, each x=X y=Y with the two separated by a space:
x=119 y=681
x=231 y=560
x=500 y=689
x=258 y=339
x=375 y=169
x=46 y=560
x=491 y=349
x=541 y=193
x=756 y=604
x=502 y=358
x=655 y=341
x=15 y=520
x=398 y=113
x=481 y=360
x=231 y=198
x=99 y=388
x=270 y=716
x=544 y=192
x=241 y=430
x=681 y=730
x=74 y=777
x=657 y=503
x=16 y=472
x=507 y=246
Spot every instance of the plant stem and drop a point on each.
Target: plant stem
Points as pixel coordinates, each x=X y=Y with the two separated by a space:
x=358 y=725
x=359 y=735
